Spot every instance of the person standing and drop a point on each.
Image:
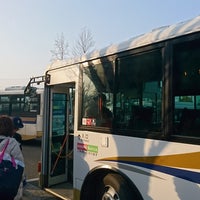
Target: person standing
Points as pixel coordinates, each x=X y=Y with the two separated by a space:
x=17 y=122
x=12 y=150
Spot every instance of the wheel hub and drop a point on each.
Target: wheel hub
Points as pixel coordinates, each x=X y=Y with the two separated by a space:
x=110 y=194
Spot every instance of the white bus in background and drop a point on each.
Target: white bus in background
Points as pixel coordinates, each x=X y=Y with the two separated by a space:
x=13 y=102
x=135 y=109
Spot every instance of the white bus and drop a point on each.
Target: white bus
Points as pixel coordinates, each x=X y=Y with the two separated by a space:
x=13 y=102
x=132 y=111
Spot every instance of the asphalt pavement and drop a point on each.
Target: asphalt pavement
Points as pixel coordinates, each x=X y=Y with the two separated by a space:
x=33 y=192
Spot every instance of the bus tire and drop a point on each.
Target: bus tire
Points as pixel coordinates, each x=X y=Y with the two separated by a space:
x=115 y=187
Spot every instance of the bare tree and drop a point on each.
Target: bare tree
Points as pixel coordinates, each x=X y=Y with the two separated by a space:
x=60 y=48
x=84 y=43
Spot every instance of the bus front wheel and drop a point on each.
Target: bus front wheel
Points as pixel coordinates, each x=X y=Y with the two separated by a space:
x=115 y=187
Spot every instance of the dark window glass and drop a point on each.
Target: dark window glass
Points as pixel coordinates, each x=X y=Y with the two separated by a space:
x=58 y=146
x=139 y=92
x=4 y=105
x=20 y=105
x=186 y=79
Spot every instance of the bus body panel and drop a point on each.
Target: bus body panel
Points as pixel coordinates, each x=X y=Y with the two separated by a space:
x=66 y=75
x=152 y=165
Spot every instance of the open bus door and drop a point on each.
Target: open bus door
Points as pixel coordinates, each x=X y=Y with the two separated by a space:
x=57 y=160
x=60 y=141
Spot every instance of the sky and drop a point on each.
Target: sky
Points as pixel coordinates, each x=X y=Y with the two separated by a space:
x=29 y=28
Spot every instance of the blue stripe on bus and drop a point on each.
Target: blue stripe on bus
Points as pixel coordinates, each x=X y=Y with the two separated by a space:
x=180 y=173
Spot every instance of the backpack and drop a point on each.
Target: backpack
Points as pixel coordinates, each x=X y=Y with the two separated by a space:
x=10 y=175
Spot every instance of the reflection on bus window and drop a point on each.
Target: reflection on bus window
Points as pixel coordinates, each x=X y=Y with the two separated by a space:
x=138 y=101
x=187 y=87
x=98 y=96
x=59 y=114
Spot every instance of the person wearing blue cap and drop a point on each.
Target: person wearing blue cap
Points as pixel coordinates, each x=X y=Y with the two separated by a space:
x=17 y=122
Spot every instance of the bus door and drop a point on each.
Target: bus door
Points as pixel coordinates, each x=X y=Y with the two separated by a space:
x=60 y=128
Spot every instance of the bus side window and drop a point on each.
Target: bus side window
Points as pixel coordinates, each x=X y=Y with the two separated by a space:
x=139 y=97
x=187 y=119
x=186 y=84
x=97 y=100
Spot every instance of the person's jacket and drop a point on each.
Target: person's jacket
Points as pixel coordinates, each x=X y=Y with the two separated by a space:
x=13 y=149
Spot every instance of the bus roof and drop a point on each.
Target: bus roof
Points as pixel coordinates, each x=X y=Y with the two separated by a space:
x=14 y=88
x=156 y=35
x=17 y=90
